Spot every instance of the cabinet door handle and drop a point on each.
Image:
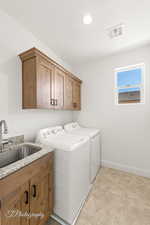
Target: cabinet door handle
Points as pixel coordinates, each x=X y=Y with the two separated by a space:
x=26 y=197
x=56 y=102
x=74 y=104
x=52 y=101
x=34 y=191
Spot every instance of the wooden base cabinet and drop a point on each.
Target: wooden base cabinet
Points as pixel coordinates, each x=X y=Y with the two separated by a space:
x=46 y=84
x=39 y=203
x=15 y=203
x=28 y=200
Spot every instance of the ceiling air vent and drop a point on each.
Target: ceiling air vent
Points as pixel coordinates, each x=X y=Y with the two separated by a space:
x=116 y=31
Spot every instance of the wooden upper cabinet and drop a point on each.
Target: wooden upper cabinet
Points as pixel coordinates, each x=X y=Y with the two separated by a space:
x=59 y=80
x=76 y=95
x=72 y=96
x=46 y=84
x=29 y=83
x=68 y=94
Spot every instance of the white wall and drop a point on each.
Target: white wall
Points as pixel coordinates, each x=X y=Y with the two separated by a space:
x=14 y=39
x=125 y=128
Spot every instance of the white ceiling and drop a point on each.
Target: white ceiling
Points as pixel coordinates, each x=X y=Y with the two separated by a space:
x=58 y=24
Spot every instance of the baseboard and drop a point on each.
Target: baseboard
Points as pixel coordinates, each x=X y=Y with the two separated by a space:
x=126 y=168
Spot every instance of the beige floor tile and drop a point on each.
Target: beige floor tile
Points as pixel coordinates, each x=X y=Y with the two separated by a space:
x=117 y=198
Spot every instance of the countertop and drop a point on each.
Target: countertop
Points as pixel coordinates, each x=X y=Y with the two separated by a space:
x=7 y=170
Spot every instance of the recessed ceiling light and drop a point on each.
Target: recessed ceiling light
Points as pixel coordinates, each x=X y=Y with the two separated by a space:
x=87 y=19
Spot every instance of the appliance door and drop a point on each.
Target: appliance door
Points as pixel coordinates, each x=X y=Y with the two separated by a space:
x=95 y=157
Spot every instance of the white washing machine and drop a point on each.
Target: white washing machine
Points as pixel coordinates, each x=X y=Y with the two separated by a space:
x=71 y=171
x=95 y=145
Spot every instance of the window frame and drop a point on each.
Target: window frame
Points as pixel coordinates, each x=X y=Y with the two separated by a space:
x=142 y=86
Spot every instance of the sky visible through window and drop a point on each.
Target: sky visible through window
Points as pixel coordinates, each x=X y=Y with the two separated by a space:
x=128 y=79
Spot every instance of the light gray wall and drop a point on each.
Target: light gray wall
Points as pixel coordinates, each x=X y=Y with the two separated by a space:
x=14 y=39
x=125 y=128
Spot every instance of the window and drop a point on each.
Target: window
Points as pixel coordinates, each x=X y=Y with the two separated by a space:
x=130 y=84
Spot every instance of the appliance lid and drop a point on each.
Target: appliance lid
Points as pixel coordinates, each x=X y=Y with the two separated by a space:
x=64 y=141
x=75 y=128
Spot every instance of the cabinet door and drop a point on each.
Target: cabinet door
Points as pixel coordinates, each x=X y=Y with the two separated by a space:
x=45 y=83
x=15 y=206
x=68 y=96
x=29 y=83
x=40 y=199
x=76 y=95
x=59 y=88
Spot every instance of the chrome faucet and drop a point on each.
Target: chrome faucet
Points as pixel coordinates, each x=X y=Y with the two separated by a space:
x=2 y=124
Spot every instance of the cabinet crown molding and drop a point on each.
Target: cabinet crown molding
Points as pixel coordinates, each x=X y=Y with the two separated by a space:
x=33 y=52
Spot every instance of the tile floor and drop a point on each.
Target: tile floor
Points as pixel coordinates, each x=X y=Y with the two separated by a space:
x=117 y=198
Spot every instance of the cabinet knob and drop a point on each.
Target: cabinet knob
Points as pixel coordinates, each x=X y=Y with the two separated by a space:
x=26 y=197
x=52 y=101
x=56 y=102
x=74 y=104
x=33 y=190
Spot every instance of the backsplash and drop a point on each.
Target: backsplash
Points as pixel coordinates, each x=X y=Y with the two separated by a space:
x=13 y=141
